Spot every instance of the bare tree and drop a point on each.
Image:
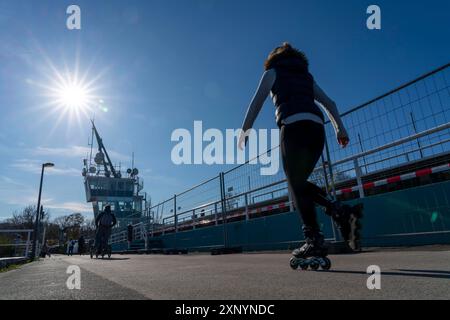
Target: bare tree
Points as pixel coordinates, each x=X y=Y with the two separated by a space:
x=71 y=224
x=25 y=218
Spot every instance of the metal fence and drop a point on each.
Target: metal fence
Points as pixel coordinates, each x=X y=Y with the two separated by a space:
x=414 y=107
x=15 y=243
x=404 y=126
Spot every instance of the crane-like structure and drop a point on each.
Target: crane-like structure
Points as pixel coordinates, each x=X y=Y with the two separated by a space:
x=105 y=185
x=102 y=153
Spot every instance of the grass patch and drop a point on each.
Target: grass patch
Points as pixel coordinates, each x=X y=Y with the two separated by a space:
x=13 y=266
x=9 y=268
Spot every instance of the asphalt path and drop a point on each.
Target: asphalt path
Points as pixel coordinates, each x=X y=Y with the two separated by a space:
x=419 y=273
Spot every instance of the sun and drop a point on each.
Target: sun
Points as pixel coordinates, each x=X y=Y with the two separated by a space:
x=68 y=92
x=73 y=96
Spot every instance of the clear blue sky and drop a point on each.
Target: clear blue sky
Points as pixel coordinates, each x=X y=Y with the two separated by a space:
x=164 y=64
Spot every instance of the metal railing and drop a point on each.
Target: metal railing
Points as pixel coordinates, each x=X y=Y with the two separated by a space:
x=18 y=246
x=404 y=126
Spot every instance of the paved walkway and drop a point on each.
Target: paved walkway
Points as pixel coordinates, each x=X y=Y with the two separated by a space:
x=422 y=273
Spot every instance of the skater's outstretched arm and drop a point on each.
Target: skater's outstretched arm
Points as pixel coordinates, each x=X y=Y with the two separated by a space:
x=330 y=108
x=265 y=85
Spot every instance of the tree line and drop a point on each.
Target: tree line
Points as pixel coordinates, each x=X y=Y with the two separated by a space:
x=57 y=230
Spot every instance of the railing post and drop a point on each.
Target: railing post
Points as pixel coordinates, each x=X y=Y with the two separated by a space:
x=215 y=213
x=325 y=175
x=415 y=131
x=246 y=206
x=291 y=203
x=145 y=239
x=336 y=234
x=153 y=222
x=358 y=178
x=27 y=248
x=224 y=209
x=330 y=168
x=175 y=213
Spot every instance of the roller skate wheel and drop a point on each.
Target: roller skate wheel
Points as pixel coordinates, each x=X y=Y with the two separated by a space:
x=314 y=265
x=293 y=263
x=304 y=266
x=326 y=263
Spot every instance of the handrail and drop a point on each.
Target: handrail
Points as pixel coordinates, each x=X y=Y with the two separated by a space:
x=367 y=164
x=161 y=203
x=395 y=143
x=395 y=90
x=357 y=156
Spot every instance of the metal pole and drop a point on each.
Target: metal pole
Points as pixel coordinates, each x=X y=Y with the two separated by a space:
x=362 y=150
x=246 y=206
x=43 y=234
x=415 y=131
x=43 y=225
x=358 y=178
x=175 y=212
x=224 y=209
x=330 y=168
x=291 y=203
x=215 y=213
x=176 y=219
x=27 y=248
x=325 y=175
x=36 y=223
x=152 y=215
x=333 y=189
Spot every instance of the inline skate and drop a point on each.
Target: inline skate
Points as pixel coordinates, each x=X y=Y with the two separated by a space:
x=347 y=219
x=313 y=254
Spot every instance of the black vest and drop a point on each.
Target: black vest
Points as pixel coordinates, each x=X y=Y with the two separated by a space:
x=293 y=90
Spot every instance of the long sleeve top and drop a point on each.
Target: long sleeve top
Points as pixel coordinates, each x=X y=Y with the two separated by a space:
x=264 y=89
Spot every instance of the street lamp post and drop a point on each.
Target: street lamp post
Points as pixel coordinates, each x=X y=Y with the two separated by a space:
x=36 y=223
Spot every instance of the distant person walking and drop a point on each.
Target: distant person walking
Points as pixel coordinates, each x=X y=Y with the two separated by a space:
x=129 y=235
x=71 y=247
x=104 y=223
x=81 y=245
x=302 y=136
x=45 y=251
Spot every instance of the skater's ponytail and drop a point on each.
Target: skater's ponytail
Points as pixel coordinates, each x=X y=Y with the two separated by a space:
x=283 y=52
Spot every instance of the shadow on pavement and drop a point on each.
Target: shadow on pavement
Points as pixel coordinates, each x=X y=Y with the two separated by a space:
x=110 y=259
x=447 y=272
x=407 y=273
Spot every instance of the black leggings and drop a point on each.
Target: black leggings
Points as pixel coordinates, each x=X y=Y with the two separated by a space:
x=301 y=144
